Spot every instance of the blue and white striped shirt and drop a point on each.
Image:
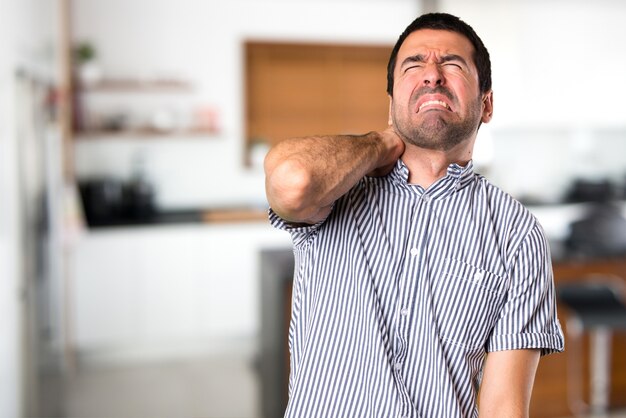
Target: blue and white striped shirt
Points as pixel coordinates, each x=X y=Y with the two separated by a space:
x=401 y=291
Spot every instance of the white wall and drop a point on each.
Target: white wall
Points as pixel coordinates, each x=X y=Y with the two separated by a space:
x=556 y=63
x=26 y=30
x=203 y=41
x=10 y=359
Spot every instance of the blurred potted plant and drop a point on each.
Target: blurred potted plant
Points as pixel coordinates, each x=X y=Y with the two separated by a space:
x=87 y=67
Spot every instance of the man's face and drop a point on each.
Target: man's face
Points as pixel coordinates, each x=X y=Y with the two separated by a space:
x=436 y=101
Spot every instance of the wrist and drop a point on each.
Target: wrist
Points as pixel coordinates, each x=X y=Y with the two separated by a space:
x=389 y=147
x=392 y=146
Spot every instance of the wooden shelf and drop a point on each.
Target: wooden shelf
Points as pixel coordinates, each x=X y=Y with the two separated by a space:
x=235 y=215
x=138 y=86
x=144 y=133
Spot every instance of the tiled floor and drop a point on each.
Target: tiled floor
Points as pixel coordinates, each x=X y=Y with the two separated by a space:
x=221 y=386
x=217 y=387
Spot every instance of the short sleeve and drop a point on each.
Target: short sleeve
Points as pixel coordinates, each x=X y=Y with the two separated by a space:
x=529 y=316
x=301 y=234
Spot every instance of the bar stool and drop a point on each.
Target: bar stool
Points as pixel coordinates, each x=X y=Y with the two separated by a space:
x=597 y=306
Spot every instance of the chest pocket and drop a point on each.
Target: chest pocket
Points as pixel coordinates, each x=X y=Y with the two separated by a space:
x=466 y=302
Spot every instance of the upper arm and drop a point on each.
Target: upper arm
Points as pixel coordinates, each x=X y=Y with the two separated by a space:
x=507 y=383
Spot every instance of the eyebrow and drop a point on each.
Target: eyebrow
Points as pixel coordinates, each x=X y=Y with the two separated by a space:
x=419 y=58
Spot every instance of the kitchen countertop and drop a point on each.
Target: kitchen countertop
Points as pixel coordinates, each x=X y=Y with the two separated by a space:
x=190 y=215
x=554 y=218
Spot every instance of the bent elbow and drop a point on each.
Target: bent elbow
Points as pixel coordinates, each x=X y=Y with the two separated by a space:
x=289 y=190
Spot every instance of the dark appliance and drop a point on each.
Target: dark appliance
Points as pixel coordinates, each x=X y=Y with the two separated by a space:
x=109 y=202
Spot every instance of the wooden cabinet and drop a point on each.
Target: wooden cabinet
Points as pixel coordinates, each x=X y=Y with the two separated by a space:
x=549 y=399
x=295 y=89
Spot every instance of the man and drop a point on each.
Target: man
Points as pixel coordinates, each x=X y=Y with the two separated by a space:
x=420 y=289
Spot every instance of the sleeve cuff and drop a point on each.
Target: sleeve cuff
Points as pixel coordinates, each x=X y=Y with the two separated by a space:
x=548 y=343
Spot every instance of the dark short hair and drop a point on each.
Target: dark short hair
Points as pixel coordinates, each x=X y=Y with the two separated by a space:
x=444 y=21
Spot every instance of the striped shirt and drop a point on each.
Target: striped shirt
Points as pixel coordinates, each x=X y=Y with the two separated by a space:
x=401 y=291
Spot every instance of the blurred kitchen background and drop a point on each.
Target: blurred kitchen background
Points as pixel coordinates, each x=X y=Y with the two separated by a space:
x=138 y=275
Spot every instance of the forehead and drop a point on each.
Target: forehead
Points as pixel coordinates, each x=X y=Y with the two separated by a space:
x=439 y=42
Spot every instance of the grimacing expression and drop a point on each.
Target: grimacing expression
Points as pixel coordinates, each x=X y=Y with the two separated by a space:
x=436 y=101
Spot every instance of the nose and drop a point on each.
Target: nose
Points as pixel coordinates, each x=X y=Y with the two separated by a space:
x=432 y=75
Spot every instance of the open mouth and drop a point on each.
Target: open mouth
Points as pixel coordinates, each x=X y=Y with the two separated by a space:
x=434 y=103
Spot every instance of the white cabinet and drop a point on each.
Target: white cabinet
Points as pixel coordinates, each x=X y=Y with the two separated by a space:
x=103 y=293
x=156 y=286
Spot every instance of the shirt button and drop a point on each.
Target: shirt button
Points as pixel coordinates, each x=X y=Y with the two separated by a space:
x=414 y=251
x=426 y=198
x=404 y=311
x=398 y=366
x=478 y=276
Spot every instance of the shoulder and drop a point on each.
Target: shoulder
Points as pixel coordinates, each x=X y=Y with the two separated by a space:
x=514 y=221
x=508 y=207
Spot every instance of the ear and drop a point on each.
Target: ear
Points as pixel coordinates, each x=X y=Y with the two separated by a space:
x=487 y=107
x=389 y=118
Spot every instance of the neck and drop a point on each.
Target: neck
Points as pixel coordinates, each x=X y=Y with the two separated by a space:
x=426 y=166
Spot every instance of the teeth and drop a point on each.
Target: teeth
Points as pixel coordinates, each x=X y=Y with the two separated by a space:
x=434 y=102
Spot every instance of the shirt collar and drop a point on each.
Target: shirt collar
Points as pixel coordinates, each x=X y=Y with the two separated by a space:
x=456 y=178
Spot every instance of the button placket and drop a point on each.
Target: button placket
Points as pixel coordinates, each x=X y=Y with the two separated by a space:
x=407 y=286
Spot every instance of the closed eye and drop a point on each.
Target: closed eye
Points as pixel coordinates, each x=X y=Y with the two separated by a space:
x=454 y=60
x=412 y=62
x=412 y=67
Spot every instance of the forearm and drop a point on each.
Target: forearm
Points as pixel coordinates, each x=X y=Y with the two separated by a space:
x=507 y=383
x=304 y=176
